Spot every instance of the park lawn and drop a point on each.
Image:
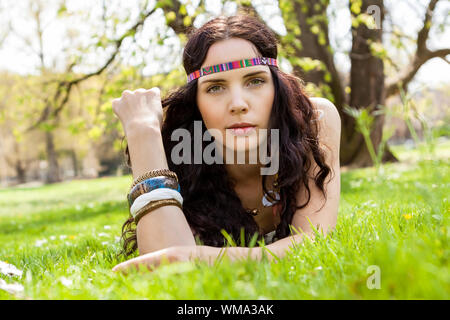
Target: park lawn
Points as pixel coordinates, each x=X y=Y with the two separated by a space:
x=395 y=225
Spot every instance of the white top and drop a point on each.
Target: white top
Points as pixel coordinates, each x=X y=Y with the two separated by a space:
x=269 y=237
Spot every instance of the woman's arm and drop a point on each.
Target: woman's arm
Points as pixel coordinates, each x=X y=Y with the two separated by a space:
x=272 y=251
x=209 y=254
x=141 y=114
x=320 y=212
x=166 y=226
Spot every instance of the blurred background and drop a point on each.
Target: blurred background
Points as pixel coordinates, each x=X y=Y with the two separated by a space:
x=384 y=64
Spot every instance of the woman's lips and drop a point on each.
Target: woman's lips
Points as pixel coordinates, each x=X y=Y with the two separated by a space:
x=241 y=131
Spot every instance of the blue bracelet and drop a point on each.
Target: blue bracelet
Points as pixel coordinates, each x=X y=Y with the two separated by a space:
x=152 y=184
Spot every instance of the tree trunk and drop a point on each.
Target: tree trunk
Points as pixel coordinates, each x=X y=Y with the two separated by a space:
x=74 y=158
x=18 y=164
x=20 y=171
x=315 y=44
x=367 y=91
x=53 y=167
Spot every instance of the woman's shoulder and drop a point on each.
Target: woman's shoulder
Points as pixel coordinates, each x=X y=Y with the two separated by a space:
x=329 y=125
x=326 y=108
x=327 y=114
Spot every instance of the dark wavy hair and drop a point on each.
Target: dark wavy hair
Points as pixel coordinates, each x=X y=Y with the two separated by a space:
x=210 y=203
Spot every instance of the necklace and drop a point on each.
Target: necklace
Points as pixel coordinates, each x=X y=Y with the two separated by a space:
x=266 y=202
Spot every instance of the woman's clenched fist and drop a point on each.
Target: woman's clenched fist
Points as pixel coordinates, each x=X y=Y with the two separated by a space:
x=139 y=108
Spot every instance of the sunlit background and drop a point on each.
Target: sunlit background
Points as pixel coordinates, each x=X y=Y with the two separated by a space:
x=44 y=42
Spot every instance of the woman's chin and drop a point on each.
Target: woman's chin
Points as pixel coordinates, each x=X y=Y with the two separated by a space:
x=246 y=150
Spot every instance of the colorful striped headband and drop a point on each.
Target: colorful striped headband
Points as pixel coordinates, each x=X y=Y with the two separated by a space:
x=230 y=66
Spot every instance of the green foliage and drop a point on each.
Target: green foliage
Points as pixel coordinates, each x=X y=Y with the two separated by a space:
x=323 y=90
x=187 y=21
x=315 y=29
x=285 y=6
x=243 y=3
x=355 y=6
x=358 y=18
x=62 y=9
x=409 y=112
x=308 y=64
x=170 y=16
x=364 y=121
x=182 y=10
x=327 y=77
x=95 y=133
x=378 y=50
x=164 y=4
x=322 y=39
x=45 y=126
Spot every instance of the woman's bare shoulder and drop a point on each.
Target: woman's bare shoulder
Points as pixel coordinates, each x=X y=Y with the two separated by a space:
x=326 y=108
x=327 y=115
x=329 y=122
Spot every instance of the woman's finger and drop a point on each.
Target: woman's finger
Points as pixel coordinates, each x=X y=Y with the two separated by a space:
x=150 y=260
x=132 y=263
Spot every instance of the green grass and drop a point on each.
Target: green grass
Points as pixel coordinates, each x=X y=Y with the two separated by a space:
x=65 y=239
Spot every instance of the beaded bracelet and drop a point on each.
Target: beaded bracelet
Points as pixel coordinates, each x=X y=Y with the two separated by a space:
x=155 y=205
x=155 y=173
x=152 y=184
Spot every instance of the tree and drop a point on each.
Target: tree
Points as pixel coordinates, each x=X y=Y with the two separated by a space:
x=307 y=47
x=57 y=87
x=18 y=153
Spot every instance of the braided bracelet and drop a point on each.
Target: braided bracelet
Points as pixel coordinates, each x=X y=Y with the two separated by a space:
x=155 y=173
x=155 y=205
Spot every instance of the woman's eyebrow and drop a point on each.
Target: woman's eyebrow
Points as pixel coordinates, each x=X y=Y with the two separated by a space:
x=222 y=80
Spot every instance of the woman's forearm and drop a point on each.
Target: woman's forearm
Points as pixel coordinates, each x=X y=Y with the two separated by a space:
x=272 y=251
x=146 y=149
x=211 y=255
x=166 y=226
x=214 y=254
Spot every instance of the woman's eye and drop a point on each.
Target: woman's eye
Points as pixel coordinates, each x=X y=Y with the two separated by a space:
x=256 y=81
x=210 y=89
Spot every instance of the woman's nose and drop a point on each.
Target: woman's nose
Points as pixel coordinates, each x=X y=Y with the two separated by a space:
x=238 y=109
x=238 y=103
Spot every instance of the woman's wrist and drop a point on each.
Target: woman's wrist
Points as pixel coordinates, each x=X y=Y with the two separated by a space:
x=146 y=149
x=211 y=254
x=138 y=128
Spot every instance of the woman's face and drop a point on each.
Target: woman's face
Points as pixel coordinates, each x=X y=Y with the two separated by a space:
x=240 y=95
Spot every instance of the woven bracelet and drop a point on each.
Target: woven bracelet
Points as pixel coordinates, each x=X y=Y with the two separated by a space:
x=155 y=173
x=155 y=205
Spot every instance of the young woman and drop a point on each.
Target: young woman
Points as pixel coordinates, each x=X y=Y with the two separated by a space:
x=233 y=81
